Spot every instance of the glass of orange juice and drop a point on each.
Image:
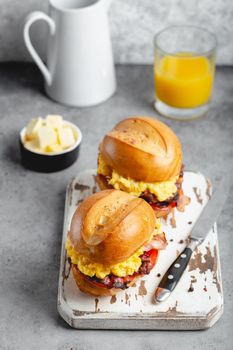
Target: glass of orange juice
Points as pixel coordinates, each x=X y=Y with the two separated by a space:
x=184 y=66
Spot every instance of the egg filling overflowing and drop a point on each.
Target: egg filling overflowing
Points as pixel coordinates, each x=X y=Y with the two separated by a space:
x=122 y=269
x=162 y=190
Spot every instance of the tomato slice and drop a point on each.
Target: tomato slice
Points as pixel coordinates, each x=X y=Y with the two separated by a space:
x=153 y=254
x=156 y=206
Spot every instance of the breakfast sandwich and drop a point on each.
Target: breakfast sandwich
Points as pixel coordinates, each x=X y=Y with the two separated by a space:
x=114 y=239
x=143 y=156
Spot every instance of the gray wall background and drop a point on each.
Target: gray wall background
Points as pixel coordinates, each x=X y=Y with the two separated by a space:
x=133 y=25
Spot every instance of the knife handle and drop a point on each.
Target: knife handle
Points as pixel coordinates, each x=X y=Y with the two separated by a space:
x=173 y=275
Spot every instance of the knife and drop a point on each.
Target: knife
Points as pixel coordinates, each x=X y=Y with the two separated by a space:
x=205 y=221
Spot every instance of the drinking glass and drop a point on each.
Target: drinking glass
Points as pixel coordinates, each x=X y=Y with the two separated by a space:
x=184 y=66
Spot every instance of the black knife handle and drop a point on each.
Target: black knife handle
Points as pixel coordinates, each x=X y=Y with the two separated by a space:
x=173 y=275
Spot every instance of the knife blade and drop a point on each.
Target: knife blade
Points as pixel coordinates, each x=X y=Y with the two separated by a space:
x=204 y=223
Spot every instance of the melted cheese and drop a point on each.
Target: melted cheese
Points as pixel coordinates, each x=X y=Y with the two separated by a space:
x=122 y=269
x=162 y=190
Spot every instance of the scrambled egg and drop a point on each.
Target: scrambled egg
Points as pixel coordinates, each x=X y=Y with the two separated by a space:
x=90 y=268
x=162 y=190
x=125 y=268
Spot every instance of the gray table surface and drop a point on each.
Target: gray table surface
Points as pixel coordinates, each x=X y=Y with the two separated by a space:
x=32 y=204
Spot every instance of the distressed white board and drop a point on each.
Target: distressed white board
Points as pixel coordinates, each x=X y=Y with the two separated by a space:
x=196 y=303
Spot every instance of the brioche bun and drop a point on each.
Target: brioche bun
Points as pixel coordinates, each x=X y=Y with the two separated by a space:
x=143 y=149
x=87 y=286
x=110 y=226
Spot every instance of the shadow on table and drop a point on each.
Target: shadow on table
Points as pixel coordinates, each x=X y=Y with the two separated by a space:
x=21 y=76
x=11 y=153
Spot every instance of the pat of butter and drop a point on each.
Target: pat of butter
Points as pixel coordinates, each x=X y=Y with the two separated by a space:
x=46 y=136
x=66 y=137
x=54 y=148
x=33 y=127
x=32 y=145
x=56 y=121
x=49 y=135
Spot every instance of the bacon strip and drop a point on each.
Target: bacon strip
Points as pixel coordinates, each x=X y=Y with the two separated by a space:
x=182 y=201
x=159 y=242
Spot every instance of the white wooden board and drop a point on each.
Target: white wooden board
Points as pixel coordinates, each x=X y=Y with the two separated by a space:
x=196 y=303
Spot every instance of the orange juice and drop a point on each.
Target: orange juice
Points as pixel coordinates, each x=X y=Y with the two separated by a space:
x=184 y=81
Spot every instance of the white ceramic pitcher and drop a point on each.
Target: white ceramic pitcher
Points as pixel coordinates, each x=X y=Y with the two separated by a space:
x=80 y=68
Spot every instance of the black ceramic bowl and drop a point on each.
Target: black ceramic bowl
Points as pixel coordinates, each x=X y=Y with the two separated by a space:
x=48 y=163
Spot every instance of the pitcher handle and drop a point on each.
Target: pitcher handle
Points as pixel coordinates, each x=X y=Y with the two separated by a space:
x=31 y=18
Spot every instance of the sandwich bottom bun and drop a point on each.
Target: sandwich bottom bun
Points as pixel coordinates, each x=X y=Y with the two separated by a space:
x=87 y=286
x=103 y=182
